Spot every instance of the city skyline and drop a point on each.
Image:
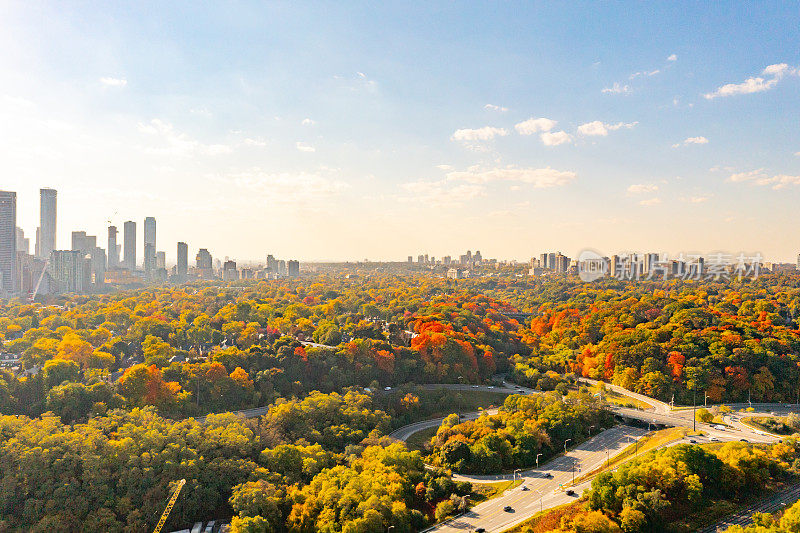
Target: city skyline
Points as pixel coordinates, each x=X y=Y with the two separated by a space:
x=313 y=132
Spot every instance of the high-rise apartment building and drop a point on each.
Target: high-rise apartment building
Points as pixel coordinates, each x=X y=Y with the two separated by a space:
x=203 y=259
x=79 y=241
x=229 y=271
x=161 y=260
x=149 y=244
x=23 y=244
x=8 y=240
x=69 y=270
x=113 y=253
x=183 y=259
x=294 y=268
x=46 y=234
x=129 y=245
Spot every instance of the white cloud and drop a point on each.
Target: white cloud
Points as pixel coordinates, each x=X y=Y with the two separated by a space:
x=691 y=140
x=304 y=147
x=535 y=125
x=761 y=178
x=644 y=73
x=555 y=138
x=754 y=84
x=479 y=134
x=538 y=177
x=444 y=167
x=599 y=128
x=695 y=199
x=440 y=193
x=672 y=57
x=650 y=201
x=308 y=122
x=493 y=107
x=170 y=142
x=287 y=188
x=113 y=82
x=255 y=142
x=617 y=89
x=642 y=188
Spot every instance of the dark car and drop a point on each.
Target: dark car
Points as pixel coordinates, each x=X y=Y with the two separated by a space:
x=548 y=475
x=508 y=509
x=744 y=440
x=693 y=441
x=570 y=492
x=480 y=530
x=525 y=488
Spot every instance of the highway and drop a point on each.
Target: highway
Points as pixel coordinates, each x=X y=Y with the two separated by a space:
x=542 y=493
x=771 y=504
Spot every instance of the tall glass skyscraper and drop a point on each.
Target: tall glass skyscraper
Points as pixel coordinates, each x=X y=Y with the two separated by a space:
x=129 y=245
x=47 y=223
x=8 y=240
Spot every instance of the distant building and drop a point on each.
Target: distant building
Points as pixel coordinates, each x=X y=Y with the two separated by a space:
x=294 y=268
x=411 y=259
x=561 y=263
x=161 y=260
x=149 y=245
x=23 y=244
x=8 y=240
x=129 y=245
x=113 y=252
x=205 y=264
x=183 y=259
x=229 y=272
x=46 y=234
x=69 y=270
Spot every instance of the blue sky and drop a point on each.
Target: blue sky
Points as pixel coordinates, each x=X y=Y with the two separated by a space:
x=357 y=130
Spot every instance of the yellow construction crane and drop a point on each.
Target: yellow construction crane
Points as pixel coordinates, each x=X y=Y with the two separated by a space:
x=172 y=500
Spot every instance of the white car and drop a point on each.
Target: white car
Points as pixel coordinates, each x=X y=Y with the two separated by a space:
x=713 y=439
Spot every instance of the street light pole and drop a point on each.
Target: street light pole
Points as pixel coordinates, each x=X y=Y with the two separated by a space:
x=541 y=495
x=694 y=411
x=565 y=445
x=705 y=399
x=514 y=478
x=537 y=459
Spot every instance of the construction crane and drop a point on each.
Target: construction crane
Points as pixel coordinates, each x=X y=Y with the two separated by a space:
x=32 y=296
x=170 y=504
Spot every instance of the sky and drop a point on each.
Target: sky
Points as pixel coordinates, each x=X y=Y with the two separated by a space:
x=378 y=130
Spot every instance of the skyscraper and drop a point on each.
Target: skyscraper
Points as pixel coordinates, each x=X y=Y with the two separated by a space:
x=113 y=254
x=183 y=259
x=294 y=268
x=46 y=238
x=8 y=240
x=129 y=245
x=149 y=244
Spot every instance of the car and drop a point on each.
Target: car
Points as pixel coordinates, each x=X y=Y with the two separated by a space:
x=744 y=440
x=490 y=387
x=387 y=388
x=548 y=475
x=474 y=386
x=525 y=488
x=480 y=530
x=570 y=492
x=693 y=441
x=713 y=439
x=508 y=509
